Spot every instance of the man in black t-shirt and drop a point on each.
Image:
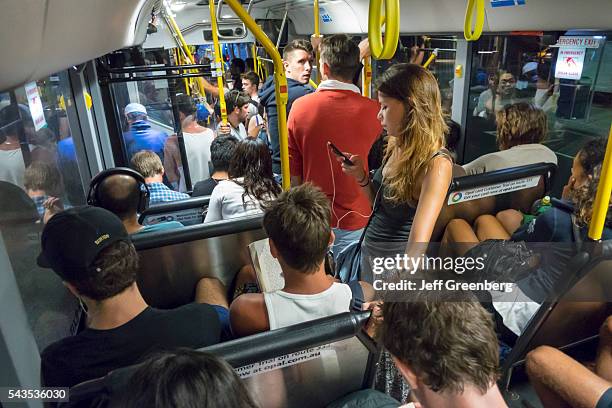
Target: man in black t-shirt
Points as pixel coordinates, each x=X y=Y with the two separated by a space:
x=221 y=151
x=89 y=248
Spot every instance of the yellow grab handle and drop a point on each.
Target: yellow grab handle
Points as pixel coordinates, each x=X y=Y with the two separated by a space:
x=280 y=85
x=478 y=7
x=218 y=64
x=602 y=198
x=366 y=77
x=392 y=23
x=312 y=83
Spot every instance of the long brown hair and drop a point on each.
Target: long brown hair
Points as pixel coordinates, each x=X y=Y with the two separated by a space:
x=423 y=128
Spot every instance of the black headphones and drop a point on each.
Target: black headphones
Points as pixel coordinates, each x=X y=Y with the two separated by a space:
x=143 y=201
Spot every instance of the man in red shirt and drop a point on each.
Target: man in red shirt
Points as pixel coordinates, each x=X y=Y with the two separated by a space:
x=335 y=113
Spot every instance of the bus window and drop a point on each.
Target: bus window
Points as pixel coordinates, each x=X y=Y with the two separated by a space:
x=38 y=159
x=508 y=69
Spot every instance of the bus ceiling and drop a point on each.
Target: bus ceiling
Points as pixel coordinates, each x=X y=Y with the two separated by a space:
x=40 y=37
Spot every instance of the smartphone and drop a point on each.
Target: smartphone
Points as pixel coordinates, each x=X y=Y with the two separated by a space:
x=338 y=153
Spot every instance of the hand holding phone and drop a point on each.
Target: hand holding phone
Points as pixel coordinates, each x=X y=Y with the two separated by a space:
x=339 y=153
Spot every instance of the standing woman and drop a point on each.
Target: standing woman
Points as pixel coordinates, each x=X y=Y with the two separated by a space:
x=408 y=191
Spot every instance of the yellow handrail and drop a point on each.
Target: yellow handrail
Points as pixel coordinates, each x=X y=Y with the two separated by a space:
x=432 y=57
x=392 y=24
x=280 y=85
x=313 y=84
x=185 y=48
x=217 y=69
x=317 y=34
x=254 y=51
x=602 y=198
x=366 y=76
x=477 y=6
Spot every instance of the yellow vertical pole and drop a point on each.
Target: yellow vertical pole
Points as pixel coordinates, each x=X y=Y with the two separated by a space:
x=217 y=69
x=366 y=76
x=317 y=34
x=602 y=198
x=254 y=49
x=184 y=47
x=280 y=85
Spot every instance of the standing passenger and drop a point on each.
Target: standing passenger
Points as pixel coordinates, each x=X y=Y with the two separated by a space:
x=409 y=190
x=237 y=104
x=297 y=60
x=335 y=113
x=141 y=136
x=221 y=152
x=197 y=140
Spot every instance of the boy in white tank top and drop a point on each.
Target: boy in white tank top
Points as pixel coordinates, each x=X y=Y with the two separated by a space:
x=297 y=224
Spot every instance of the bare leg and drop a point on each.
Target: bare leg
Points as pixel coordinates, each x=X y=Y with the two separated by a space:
x=458 y=237
x=603 y=364
x=487 y=227
x=561 y=381
x=212 y=292
x=510 y=219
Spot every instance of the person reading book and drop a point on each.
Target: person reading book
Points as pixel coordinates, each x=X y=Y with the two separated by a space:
x=298 y=227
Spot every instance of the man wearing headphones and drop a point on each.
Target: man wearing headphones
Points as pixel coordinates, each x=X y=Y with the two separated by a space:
x=124 y=192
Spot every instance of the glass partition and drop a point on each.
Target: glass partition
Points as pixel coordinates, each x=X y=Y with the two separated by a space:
x=567 y=75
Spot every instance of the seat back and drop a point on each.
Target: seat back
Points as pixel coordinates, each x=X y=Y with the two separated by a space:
x=188 y=212
x=306 y=365
x=575 y=310
x=488 y=193
x=173 y=261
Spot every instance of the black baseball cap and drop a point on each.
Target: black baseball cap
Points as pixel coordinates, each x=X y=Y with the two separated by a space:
x=72 y=240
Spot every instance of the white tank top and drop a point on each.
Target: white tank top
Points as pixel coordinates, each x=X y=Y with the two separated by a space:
x=197 y=147
x=286 y=309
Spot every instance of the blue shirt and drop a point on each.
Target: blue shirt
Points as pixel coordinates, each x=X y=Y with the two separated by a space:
x=162 y=226
x=142 y=137
x=160 y=193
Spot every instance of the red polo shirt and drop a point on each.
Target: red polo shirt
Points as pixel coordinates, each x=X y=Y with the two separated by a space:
x=349 y=121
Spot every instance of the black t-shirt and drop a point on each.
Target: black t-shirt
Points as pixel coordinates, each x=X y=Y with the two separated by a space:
x=93 y=353
x=204 y=187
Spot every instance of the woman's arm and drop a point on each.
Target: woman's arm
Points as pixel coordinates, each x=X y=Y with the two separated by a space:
x=433 y=193
x=359 y=173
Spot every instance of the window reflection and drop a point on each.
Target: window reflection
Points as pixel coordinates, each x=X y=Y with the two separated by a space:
x=519 y=68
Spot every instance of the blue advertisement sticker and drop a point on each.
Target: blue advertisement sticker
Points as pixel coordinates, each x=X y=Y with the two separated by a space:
x=325 y=16
x=507 y=3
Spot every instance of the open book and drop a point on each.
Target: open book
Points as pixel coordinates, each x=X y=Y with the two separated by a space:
x=268 y=270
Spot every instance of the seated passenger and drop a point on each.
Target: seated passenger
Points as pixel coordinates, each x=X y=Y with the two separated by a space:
x=90 y=250
x=150 y=166
x=42 y=180
x=297 y=224
x=554 y=225
x=197 y=140
x=237 y=104
x=250 y=184
x=124 y=195
x=446 y=350
x=561 y=381
x=184 y=378
x=221 y=151
x=521 y=128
